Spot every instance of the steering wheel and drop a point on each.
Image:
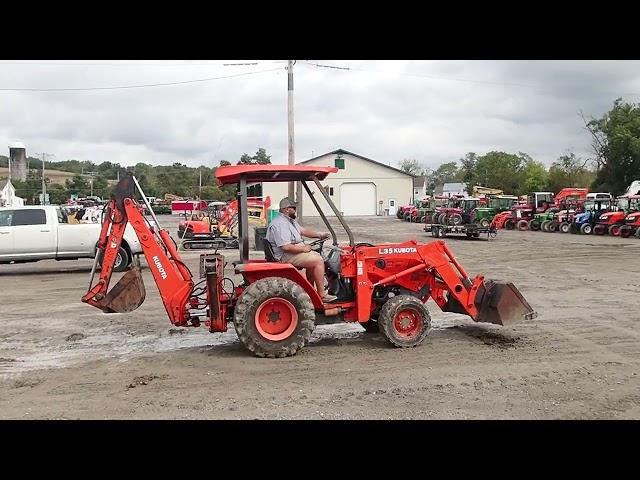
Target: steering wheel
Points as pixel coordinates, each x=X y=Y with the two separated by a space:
x=316 y=245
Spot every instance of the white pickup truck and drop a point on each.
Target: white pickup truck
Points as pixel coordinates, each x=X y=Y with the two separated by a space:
x=40 y=232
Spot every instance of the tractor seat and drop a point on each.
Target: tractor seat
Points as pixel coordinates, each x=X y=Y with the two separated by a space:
x=268 y=253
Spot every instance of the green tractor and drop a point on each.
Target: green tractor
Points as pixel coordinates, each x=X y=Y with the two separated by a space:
x=499 y=203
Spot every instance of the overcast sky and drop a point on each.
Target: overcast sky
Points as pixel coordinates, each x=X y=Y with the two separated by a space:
x=433 y=111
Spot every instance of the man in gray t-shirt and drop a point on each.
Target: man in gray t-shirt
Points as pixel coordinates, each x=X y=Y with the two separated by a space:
x=285 y=236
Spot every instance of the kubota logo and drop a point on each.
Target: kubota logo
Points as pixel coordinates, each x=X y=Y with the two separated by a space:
x=387 y=251
x=160 y=268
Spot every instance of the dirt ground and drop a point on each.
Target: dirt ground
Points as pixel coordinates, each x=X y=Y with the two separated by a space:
x=580 y=359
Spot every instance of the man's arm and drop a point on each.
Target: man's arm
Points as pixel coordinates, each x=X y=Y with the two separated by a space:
x=307 y=232
x=295 y=248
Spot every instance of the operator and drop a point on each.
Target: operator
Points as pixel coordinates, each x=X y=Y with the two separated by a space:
x=285 y=236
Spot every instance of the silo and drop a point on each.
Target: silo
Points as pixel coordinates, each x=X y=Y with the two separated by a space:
x=18 y=161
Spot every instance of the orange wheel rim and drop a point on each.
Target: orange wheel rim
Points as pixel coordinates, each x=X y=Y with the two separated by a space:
x=276 y=319
x=407 y=323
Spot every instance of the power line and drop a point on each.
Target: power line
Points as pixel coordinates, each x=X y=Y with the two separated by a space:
x=134 y=86
x=434 y=77
x=140 y=63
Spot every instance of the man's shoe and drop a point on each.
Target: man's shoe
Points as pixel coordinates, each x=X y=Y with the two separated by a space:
x=329 y=298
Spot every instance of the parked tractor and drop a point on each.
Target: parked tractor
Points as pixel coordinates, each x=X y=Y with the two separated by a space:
x=595 y=205
x=631 y=226
x=483 y=216
x=611 y=222
x=458 y=211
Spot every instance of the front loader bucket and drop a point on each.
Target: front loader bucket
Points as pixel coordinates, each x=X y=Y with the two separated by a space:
x=126 y=295
x=502 y=304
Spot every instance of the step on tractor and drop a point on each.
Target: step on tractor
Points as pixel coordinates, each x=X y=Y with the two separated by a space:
x=484 y=215
x=273 y=308
x=595 y=205
x=611 y=222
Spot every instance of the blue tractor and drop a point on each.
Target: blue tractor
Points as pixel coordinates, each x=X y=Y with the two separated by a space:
x=593 y=208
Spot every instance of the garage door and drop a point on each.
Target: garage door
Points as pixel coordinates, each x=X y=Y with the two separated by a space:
x=358 y=199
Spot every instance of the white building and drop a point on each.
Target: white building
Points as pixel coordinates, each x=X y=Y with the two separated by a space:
x=452 y=189
x=360 y=187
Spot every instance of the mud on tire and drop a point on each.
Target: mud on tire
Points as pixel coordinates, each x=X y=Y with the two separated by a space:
x=404 y=321
x=262 y=293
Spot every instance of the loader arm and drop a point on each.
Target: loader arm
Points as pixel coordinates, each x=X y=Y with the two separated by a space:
x=171 y=276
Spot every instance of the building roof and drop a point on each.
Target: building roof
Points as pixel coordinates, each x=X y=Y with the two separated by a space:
x=453 y=187
x=341 y=151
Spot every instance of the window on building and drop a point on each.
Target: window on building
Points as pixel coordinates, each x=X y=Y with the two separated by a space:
x=339 y=162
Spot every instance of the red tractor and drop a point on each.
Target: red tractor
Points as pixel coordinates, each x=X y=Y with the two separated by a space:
x=631 y=226
x=612 y=222
x=274 y=308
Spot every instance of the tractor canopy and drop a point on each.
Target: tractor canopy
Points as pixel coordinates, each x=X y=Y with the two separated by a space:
x=271 y=173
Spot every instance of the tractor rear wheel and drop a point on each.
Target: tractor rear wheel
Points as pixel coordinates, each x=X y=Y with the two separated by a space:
x=552 y=227
x=535 y=225
x=509 y=224
x=543 y=226
x=637 y=232
x=274 y=317
x=484 y=223
x=599 y=229
x=564 y=227
x=404 y=321
x=442 y=219
x=523 y=225
x=614 y=230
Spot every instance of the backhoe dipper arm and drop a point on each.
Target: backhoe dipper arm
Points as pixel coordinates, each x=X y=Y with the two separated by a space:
x=171 y=276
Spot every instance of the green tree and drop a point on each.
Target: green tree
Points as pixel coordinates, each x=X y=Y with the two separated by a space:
x=57 y=194
x=535 y=177
x=501 y=170
x=467 y=171
x=445 y=173
x=78 y=185
x=569 y=171
x=225 y=163
x=261 y=157
x=616 y=144
x=411 y=166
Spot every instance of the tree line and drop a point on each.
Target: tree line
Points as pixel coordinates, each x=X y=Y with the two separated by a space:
x=614 y=162
x=156 y=181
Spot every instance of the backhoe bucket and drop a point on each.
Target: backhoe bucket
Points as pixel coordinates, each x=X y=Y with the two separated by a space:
x=502 y=304
x=126 y=295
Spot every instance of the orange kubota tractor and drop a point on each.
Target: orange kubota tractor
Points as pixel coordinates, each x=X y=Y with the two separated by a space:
x=275 y=309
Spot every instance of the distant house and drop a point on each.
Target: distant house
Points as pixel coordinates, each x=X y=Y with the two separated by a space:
x=451 y=189
x=361 y=186
x=419 y=187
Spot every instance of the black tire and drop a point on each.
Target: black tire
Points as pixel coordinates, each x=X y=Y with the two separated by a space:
x=586 y=229
x=371 y=326
x=455 y=219
x=552 y=227
x=564 y=227
x=186 y=246
x=509 y=224
x=523 y=225
x=122 y=260
x=484 y=223
x=260 y=293
x=637 y=234
x=476 y=234
x=388 y=327
x=534 y=225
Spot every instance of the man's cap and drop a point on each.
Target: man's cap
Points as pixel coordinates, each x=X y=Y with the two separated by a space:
x=286 y=202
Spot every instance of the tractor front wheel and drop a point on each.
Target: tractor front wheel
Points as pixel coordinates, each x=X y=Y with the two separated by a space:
x=509 y=224
x=599 y=229
x=586 y=229
x=404 y=321
x=523 y=225
x=552 y=227
x=455 y=219
x=564 y=227
x=535 y=225
x=614 y=230
x=625 y=231
x=637 y=232
x=484 y=223
x=274 y=317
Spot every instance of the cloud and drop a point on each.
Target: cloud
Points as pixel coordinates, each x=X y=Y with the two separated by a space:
x=434 y=111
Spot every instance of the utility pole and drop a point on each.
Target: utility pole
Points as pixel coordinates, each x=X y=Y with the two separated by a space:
x=44 y=185
x=200 y=187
